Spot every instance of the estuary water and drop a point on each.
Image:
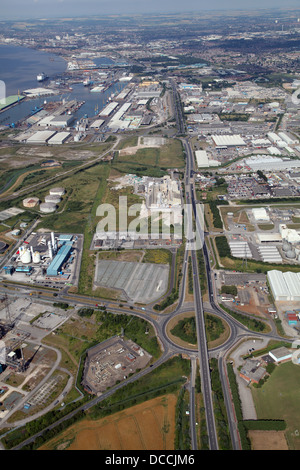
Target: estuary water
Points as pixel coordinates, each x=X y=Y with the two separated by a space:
x=19 y=67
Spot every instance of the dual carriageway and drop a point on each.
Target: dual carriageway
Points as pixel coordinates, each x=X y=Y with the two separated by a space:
x=160 y=321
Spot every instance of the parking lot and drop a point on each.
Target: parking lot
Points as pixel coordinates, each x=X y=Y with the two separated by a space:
x=142 y=282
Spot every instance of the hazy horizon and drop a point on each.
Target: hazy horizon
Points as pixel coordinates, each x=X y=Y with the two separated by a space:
x=43 y=9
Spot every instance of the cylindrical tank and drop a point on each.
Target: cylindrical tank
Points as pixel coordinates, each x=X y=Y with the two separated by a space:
x=25 y=256
x=47 y=207
x=36 y=258
x=291 y=254
x=53 y=198
x=286 y=246
x=31 y=201
x=57 y=191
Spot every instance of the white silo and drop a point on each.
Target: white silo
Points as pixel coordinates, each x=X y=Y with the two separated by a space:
x=36 y=258
x=25 y=256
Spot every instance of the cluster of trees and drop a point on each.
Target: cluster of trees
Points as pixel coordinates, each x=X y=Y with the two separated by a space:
x=62 y=305
x=214 y=327
x=134 y=328
x=219 y=407
x=186 y=330
x=182 y=439
x=213 y=205
x=202 y=271
x=232 y=290
x=223 y=247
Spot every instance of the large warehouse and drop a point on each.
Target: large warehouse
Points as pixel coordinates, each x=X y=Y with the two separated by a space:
x=40 y=137
x=228 y=140
x=203 y=161
x=61 y=256
x=284 y=286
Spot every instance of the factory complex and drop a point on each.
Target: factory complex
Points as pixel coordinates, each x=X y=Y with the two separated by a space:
x=59 y=122
x=45 y=258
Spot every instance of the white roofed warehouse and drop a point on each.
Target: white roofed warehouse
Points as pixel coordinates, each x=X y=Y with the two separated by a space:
x=284 y=286
x=228 y=140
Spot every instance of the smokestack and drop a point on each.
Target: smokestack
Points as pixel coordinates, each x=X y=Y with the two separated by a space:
x=50 y=250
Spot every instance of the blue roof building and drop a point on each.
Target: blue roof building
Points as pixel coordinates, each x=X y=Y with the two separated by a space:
x=59 y=259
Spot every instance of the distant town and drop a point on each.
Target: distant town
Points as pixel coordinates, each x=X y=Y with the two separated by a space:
x=150 y=234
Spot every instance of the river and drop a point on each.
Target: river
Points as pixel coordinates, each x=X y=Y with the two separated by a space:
x=19 y=67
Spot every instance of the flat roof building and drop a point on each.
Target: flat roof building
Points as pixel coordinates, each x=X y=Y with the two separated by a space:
x=280 y=354
x=59 y=138
x=40 y=137
x=228 y=140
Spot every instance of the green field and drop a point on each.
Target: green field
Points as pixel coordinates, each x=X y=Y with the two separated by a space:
x=279 y=398
x=81 y=190
x=151 y=161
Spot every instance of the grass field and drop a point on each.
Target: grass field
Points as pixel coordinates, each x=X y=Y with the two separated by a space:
x=160 y=256
x=147 y=426
x=81 y=190
x=151 y=161
x=279 y=398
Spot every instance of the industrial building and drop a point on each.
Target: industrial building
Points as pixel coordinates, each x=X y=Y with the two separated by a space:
x=97 y=124
x=56 y=121
x=269 y=237
x=270 y=162
x=260 y=214
x=280 y=354
x=109 y=109
x=59 y=259
x=284 y=286
x=269 y=254
x=288 y=234
x=252 y=371
x=287 y=139
x=240 y=249
x=203 y=161
x=40 y=137
x=59 y=138
x=228 y=140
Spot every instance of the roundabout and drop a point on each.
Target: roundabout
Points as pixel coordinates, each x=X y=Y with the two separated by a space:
x=181 y=330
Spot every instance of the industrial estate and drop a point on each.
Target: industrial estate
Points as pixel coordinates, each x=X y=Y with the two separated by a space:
x=187 y=130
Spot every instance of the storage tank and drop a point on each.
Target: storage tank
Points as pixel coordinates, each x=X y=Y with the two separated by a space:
x=53 y=198
x=31 y=201
x=47 y=207
x=286 y=246
x=291 y=254
x=25 y=256
x=36 y=258
x=57 y=191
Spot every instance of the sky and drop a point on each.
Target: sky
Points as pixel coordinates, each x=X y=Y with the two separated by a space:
x=26 y=9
